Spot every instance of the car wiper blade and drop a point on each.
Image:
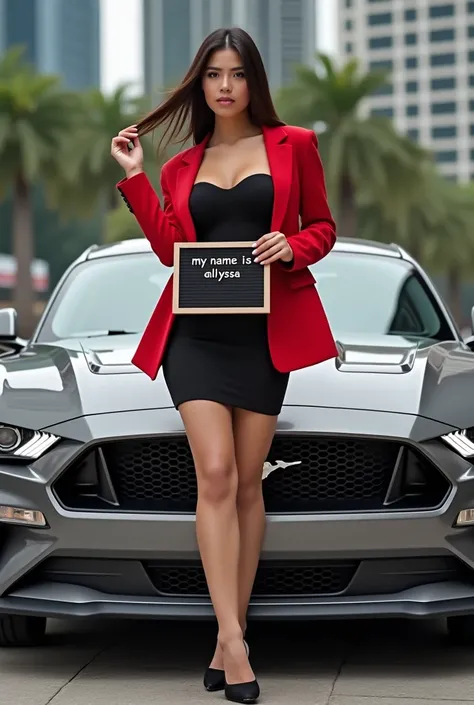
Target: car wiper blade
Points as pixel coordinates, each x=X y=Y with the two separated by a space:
x=101 y=333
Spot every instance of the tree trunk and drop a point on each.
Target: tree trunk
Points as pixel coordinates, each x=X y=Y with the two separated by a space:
x=347 y=220
x=454 y=294
x=23 y=251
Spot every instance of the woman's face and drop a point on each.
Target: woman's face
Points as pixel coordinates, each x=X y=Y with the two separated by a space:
x=224 y=83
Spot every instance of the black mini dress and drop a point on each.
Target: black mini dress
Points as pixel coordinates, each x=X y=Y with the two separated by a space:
x=225 y=357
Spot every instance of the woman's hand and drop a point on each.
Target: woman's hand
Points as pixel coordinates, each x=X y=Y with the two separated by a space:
x=272 y=247
x=130 y=160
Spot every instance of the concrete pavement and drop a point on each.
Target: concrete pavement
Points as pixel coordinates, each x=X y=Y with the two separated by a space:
x=325 y=663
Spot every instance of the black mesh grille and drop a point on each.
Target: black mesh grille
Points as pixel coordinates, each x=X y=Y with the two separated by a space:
x=332 y=474
x=470 y=433
x=272 y=579
x=313 y=474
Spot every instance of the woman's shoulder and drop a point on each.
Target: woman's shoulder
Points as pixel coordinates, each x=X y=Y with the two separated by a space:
x=175 y=161
x=300 y=135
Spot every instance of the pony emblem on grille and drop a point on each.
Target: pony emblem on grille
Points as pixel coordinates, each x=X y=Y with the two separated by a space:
x=268 y=468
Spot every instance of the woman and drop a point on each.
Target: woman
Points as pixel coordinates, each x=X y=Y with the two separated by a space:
x=248 y=176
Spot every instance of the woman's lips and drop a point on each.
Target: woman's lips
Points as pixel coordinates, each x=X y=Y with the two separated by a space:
x=225 y=101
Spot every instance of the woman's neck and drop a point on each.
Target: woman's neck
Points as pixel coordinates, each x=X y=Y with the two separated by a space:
x=230 y=130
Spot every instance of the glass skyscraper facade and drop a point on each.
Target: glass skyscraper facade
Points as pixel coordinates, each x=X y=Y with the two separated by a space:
x=59 y=36
x=284 y=30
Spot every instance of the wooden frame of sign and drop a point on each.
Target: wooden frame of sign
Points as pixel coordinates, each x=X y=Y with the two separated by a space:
x=256 y=282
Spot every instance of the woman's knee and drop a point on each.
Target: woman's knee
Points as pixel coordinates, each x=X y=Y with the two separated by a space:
x=249 y=489
x=217 y=479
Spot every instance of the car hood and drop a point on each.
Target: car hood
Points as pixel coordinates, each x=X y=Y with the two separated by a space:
x=47 y=384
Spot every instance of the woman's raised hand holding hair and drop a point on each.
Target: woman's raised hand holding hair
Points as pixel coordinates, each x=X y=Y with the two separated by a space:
x=131 y=160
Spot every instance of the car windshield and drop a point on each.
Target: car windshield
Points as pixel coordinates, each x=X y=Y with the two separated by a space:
x=366 y=294
x=362 y=294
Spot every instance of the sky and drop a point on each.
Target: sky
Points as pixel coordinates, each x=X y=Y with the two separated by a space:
x=121 y=30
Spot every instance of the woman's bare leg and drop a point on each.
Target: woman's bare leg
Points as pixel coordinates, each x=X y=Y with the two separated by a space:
x=210 y=435
x=253 y=434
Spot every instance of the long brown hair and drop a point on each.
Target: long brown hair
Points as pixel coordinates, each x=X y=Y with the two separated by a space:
x=185 y=110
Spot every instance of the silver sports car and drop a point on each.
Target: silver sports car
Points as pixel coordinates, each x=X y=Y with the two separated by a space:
x=369 y=485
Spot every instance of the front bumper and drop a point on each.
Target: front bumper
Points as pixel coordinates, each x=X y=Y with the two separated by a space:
x=432 y=600
x=404 y=563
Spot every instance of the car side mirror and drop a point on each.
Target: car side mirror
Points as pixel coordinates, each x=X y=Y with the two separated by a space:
x=8 y=332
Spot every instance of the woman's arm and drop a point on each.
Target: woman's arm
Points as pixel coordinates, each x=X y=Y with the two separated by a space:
x=318 y=229
x=159 y=225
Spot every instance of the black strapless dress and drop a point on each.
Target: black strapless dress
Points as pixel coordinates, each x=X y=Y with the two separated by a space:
x=225 y=357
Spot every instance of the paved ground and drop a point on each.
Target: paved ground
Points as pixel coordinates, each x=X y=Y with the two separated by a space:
x=139 y=663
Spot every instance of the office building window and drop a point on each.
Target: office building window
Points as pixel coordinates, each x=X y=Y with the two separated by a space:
x=470 y=31
x=471 y=130
x=442 y=35
x=443 y=108
x=442 y=10
x=380 y=65
x=380 y=18
x=348 y=47
x=411 y=86
x=472 y=155
x=470 y=6
x=443 y=84
x=446 y=156
x=386 y=89
x=471 y=106
x=411 y=62
x=382 y=112
x=348 y=3
x=410 y=15
x=380 y=42
x=411 y=110
x=443 y=132
x=411 y=39
x=413 y=134
x=471 y=80
x=443 y=59
x=348 y=25
x=471 y=57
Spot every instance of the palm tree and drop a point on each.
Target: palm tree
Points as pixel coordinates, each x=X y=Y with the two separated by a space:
x=436 y=230
x=93 y=173
x=365 y=159
x=36 y=116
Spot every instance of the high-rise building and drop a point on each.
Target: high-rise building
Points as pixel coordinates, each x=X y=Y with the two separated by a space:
x=428 y=45
x=59 y=36
x=284 y=30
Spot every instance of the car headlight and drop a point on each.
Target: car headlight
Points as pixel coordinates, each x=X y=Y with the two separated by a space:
x=461 y=441
x=23 y=443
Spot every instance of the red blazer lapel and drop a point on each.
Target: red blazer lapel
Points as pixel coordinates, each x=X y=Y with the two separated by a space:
x=191 y=161
x=280 y=158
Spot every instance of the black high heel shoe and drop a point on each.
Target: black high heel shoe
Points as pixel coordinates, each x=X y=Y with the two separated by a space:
x=214 y=678
x=242 y=692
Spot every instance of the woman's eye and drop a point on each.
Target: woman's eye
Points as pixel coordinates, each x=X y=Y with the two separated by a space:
x=240 y=74
x=212 y=74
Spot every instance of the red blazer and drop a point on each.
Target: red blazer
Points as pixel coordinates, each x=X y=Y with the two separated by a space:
x=299 y=334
